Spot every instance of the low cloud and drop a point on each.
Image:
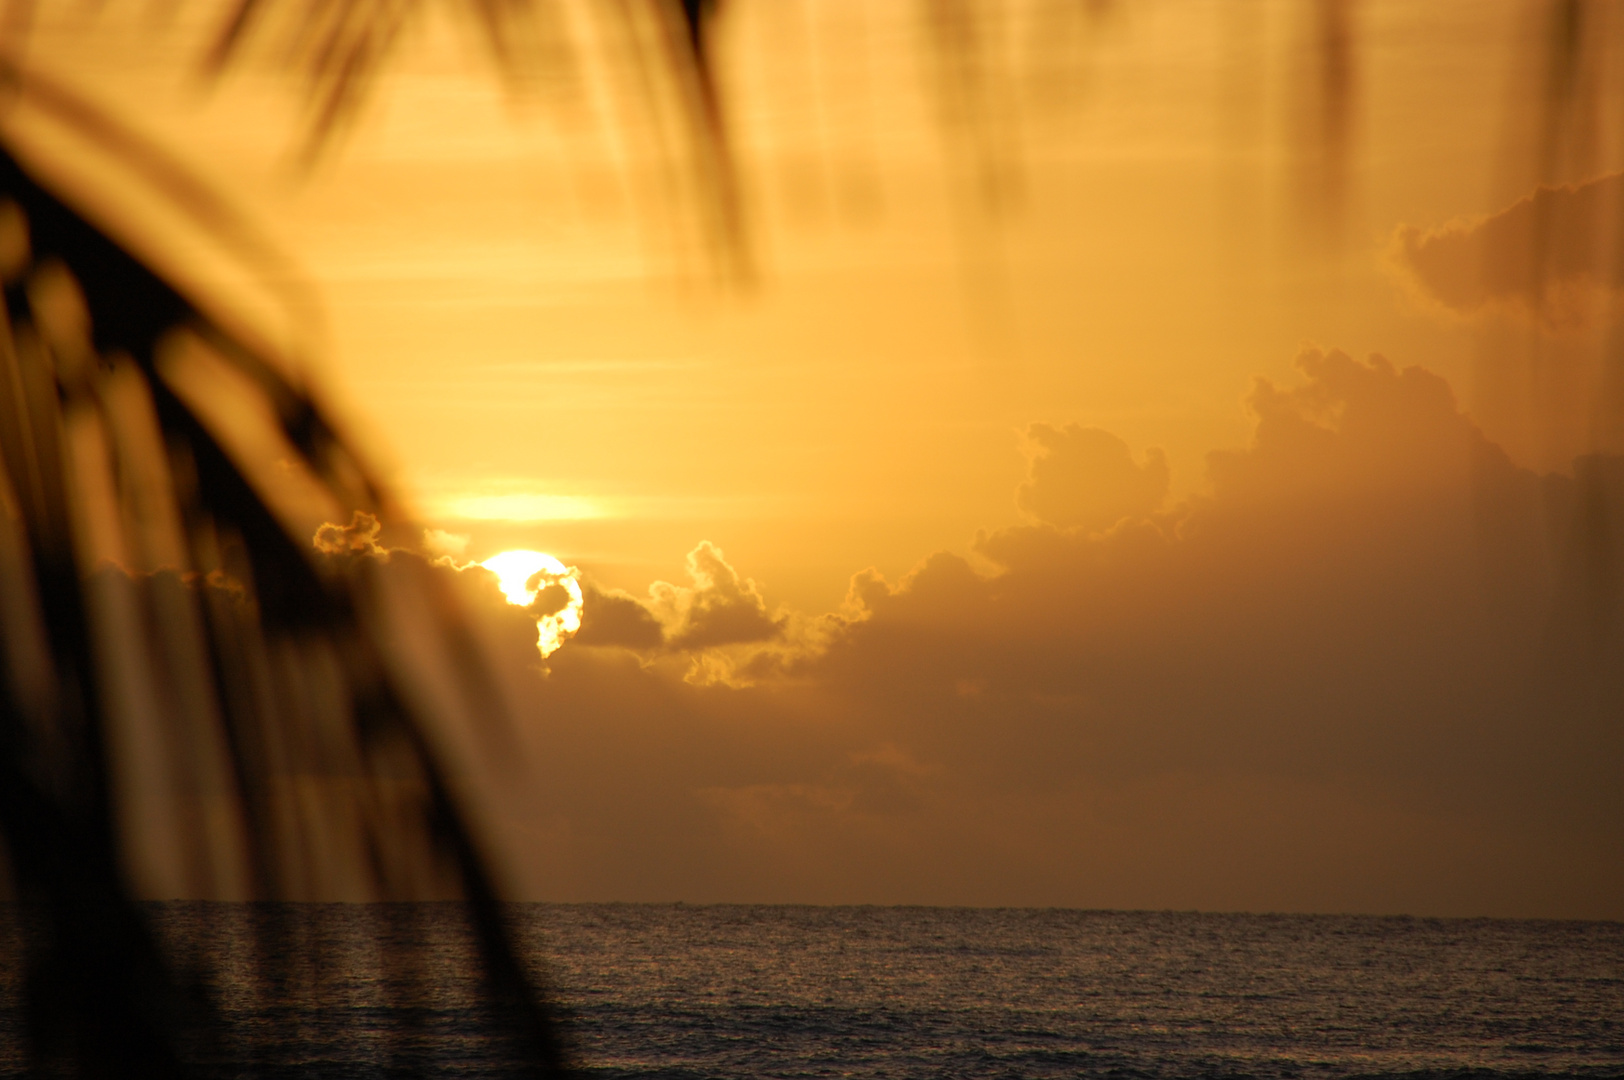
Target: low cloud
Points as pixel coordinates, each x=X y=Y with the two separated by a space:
x=719 y=621
x=1373 y=666
x=617 y=619
x=718 y=608
x=359 y=537
x=1086 y=478
x=1551 y=256
x=1351 y=427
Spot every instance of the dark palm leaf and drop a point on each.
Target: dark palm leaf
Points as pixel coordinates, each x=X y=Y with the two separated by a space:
x=195 y=699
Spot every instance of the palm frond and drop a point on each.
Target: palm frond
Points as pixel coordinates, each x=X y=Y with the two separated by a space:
x=196 y=700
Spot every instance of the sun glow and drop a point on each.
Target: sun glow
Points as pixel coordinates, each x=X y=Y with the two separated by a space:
x=529 y=577
x=520 y=506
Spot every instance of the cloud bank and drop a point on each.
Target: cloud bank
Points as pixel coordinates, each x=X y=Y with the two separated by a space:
x=1376 y=666
x=1551 y=256
x=1087 y=478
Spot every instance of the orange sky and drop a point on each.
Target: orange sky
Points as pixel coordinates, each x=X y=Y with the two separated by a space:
x=1334 y=658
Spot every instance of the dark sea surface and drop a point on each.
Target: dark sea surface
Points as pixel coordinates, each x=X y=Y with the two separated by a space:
x=681 y=992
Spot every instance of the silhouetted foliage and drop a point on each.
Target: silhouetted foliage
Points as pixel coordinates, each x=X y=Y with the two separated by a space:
x=196 y=700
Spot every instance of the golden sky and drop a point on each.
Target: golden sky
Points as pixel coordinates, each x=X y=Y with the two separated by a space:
x=1032 y=524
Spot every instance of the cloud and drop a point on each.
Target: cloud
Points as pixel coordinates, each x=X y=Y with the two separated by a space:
x=719 y=608
x=1086 y=478
x=550 y=597
x=359 y=537
x=1373 y=666
x=1351 y=427
x=445 y=544
x=615 y=618
x=1546 y=256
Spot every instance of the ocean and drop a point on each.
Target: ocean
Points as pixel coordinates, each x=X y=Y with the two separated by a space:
x=681 y=992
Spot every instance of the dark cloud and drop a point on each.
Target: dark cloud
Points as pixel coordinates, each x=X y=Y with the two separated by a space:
x=1086 y=478
x=1374 y=666
x=1351 y=427
x=717 y=610
x=614 y=618
x=359 y=537
x=720 y=608
x=551 y=598
x=1546 y=255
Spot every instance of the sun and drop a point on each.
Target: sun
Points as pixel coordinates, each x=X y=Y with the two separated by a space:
x=525 y=575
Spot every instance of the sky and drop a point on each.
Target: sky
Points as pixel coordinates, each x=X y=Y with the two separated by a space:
x=1105 y=486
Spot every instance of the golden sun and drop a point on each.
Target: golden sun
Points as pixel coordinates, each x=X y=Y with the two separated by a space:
x=526 y=575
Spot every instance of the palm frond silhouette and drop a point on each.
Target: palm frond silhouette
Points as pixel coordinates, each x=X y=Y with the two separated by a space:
x=198 y=701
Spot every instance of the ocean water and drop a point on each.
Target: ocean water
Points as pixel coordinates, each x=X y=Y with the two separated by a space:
x=682 y=992
x=743 y=992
